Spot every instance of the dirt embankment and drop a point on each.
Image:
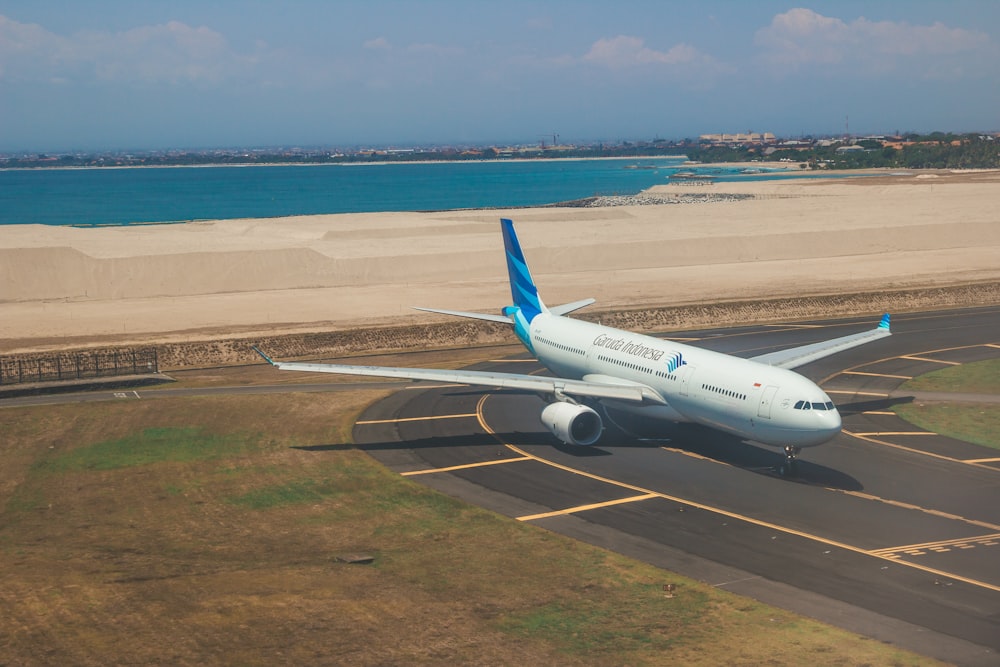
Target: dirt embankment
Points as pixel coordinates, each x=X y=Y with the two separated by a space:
x=469 y=333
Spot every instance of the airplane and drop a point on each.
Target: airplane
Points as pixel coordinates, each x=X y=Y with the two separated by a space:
x=595 y=367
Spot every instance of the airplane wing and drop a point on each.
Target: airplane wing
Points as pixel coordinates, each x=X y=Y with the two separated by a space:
x=636 y=393
x=799 y=356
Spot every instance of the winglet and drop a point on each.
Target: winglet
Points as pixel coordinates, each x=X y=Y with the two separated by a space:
x=884 y=324
x=266 y=358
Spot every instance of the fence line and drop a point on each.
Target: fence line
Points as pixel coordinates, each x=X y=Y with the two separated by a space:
x=78 y=366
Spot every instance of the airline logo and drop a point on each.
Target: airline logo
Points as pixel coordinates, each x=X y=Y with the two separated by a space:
x=675 y=361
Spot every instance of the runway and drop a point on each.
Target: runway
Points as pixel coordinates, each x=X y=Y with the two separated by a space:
x=887 y=530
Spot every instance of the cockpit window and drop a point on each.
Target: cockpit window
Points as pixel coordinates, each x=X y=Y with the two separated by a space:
x=806 y=405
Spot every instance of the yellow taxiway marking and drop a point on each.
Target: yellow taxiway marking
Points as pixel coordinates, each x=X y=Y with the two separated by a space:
x=584 y=508
x=879 y=375
x=981 y=460
x=692 y=455
x=933 y=361
x=856 y=393
x=465 y=466
x=718 y=510
x=513 y=361
x=972 y=462
x=416 y=419
x=917 y=508
x=883 y=433
x=992 y=345
x=879 y=412
x=943 y=545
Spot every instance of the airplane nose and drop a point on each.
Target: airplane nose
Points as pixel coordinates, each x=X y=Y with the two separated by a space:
x=831 y=422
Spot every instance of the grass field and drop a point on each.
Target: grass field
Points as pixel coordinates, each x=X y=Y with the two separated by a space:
x=193 y=531
x=978 y=423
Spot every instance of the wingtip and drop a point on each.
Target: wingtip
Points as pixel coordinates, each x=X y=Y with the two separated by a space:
x=264 y=356
x=885 y=323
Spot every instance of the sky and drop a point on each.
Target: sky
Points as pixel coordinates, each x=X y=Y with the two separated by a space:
x=140 y=74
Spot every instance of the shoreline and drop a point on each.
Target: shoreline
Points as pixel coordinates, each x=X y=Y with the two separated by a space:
x=345 y=164
x=777 y=239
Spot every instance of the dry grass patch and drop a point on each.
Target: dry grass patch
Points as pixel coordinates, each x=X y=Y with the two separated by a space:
x=186 y=531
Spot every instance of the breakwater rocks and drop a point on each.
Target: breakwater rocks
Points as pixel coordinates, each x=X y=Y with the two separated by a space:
x=644 y=199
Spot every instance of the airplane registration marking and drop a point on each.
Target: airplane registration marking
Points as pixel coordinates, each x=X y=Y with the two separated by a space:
x=584 y=508
x=718 y=510
x=933 y=361
x=414 y=419
x=465 y=466
x=879 y=375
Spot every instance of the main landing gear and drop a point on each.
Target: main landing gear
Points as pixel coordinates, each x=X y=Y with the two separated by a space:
x=790 y=466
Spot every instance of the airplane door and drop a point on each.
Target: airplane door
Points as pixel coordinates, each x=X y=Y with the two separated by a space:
x=686 y=372
x=766 y=399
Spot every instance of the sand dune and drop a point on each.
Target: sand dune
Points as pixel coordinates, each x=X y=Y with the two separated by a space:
x=815 y=237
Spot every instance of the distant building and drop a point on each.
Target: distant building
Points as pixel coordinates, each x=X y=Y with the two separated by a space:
x=738 y=139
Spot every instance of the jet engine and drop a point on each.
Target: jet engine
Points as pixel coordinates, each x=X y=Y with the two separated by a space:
x=573 y=424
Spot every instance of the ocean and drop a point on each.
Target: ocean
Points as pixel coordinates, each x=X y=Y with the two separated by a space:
x=110 y=196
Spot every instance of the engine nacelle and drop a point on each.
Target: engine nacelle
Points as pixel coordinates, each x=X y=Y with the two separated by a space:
x=573 y=424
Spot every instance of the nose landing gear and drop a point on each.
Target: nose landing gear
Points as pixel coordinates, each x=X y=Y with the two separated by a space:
x=790 y=466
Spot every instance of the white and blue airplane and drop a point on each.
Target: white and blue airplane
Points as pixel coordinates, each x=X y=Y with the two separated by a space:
x=595 y=367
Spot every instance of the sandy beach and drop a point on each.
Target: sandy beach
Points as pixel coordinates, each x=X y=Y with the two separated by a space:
x=204 y=279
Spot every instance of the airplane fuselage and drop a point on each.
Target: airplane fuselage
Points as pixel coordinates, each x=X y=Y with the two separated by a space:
x=746 y=398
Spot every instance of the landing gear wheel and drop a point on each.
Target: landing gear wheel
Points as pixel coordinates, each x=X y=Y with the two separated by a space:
x=790 y=466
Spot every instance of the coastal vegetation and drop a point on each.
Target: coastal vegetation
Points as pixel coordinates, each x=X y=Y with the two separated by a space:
x=936 y=150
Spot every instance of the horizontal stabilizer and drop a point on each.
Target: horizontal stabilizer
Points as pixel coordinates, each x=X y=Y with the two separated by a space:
x=570 y=307
x=503 y=319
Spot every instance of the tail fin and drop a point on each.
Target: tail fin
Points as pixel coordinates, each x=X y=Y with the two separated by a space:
x=522 y=287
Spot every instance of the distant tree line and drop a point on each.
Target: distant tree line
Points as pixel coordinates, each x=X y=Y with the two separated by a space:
x=937 y=150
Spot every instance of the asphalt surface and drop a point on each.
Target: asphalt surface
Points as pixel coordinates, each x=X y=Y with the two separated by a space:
x=887 y=530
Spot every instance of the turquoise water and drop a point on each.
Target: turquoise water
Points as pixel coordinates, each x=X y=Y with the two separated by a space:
x=170 y=194
x=123 y=196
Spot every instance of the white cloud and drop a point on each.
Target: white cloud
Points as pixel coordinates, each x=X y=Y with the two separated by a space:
x=626 y=51
x=801 y=37
x=378 y=44
x=169 y=53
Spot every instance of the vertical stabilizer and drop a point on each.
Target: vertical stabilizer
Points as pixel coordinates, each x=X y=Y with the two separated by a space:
x=522 y=287
x=527 y=303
